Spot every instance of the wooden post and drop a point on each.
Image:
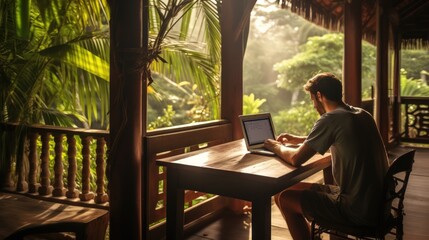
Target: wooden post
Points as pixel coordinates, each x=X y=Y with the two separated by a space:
x=234 y=18
x=127 y=121
x=352 y=63
x=232 y=63
x=381 y=111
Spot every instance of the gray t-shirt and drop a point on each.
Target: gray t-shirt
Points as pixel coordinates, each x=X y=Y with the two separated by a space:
x=359 y=160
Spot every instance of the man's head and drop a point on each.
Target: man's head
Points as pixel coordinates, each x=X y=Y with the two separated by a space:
x=324 y=85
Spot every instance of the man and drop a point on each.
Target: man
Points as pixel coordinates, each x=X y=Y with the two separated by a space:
x=359 y=163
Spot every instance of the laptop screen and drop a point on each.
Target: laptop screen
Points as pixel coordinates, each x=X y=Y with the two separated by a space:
x=258 y=130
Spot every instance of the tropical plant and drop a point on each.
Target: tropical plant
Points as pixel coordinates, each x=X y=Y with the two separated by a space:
x=54 y=66
x=252 y=105
x=184 y=46
x=413 y=87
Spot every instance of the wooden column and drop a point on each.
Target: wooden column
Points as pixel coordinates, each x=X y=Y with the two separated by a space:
x=397 y=86
x=126 y=120
x=234 y=18
x=381 y=111
x=352 y=62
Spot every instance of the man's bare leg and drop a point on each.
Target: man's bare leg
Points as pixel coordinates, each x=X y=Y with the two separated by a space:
x=289 y=203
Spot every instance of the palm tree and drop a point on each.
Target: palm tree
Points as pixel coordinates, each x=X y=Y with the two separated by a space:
x=184 y=45
x=54 y=61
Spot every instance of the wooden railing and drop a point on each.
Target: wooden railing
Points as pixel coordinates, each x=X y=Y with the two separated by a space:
x=168 y=142
x=52 y=165
x=415 y=117
x=69 y=166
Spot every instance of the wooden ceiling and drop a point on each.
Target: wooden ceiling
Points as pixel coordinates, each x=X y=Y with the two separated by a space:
x=411 y=16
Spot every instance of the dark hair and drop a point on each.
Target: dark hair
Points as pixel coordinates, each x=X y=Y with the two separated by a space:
x=327 y=84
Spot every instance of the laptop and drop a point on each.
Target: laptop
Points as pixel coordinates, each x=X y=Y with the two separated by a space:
x=256 y=129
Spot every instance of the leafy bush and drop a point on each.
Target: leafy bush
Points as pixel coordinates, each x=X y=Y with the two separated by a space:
x=251 y=105
x=298 y=120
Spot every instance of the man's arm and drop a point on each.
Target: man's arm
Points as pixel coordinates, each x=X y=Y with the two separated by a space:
x=293 y=156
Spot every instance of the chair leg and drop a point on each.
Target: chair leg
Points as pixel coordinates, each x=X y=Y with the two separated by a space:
x=399 y=227
x=313 y=231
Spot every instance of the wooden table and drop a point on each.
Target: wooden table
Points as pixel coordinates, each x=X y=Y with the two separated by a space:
x=229 y=170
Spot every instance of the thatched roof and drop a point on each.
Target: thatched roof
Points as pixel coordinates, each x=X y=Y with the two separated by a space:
x=411 y=16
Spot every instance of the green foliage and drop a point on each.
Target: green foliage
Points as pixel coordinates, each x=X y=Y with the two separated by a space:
x=298 y=120
x=274 y=35
x=54 y=62
x=318 y=54
x=251 y=105
x=200 y=103
x=415 y=61
x=413 y=87
x=163 y=121
x=322 y=54
x=185 y=38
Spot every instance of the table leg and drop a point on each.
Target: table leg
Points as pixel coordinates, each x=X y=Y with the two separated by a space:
x=175 y=206
x=261 y=218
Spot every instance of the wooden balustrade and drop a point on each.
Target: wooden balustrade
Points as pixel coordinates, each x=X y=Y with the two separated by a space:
x=51 y=175
x=415 y=117
x=59 y=164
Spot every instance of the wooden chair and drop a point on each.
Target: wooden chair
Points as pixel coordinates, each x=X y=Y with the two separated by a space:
x=397 y=175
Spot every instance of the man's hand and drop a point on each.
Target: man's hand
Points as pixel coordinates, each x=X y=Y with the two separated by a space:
x=273 y=145
x=287 y=138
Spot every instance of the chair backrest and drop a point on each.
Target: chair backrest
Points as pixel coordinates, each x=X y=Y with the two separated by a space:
x=396 y=181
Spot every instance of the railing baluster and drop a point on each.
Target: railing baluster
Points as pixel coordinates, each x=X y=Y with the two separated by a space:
x=6 y=181
x=72 y=192
x=45 y=188
x=86 y=195
x=33 y=186
x=59 y=189
x=101 y=196
x=22 y=184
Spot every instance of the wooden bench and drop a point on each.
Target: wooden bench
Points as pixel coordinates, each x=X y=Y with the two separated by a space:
x=22 y=216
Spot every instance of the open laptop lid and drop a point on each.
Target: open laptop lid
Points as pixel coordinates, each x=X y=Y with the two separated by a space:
x=256 y=129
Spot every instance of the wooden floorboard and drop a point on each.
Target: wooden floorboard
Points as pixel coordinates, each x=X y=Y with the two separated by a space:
x=416 y=220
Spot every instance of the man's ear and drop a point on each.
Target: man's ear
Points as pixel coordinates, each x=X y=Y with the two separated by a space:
x=319 y=96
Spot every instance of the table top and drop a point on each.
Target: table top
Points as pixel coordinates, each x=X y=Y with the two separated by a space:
x=233 y=158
